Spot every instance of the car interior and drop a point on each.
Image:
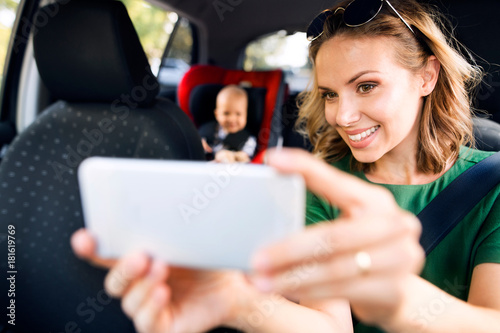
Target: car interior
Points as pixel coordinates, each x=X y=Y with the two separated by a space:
x=79 y=81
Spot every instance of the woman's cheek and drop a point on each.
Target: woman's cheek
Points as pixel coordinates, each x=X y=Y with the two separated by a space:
x=330 y=115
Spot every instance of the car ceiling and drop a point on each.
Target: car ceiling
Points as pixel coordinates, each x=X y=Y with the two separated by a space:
x=223 y=35
x=236 y=22
x=228 y=25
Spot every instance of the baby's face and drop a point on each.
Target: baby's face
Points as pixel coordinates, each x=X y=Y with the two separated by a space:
x=231 y=113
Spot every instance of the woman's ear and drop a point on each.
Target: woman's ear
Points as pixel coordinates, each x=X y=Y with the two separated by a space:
x=430 y=74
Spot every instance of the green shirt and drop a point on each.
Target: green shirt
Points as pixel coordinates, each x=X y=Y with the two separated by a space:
x=475 y=240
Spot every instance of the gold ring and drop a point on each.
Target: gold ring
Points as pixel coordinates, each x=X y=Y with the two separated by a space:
x=363 y=261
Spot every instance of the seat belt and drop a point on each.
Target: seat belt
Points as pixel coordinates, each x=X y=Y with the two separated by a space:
x=450 y=206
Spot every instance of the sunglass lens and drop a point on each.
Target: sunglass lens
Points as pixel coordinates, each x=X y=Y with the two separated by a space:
x=316 y=26
x=359 y=12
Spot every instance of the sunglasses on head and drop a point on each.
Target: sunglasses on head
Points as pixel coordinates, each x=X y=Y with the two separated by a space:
x=355 y=14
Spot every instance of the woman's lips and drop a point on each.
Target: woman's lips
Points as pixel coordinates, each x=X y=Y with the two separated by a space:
x=363 y=135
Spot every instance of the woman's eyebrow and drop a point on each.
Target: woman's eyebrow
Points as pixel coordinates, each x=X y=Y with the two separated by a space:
x=360 y=74
x=354 y=78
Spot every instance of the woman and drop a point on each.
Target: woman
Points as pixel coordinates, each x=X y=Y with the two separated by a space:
x=390 y=105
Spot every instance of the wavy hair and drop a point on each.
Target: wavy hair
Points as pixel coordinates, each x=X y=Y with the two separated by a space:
x=446 y=119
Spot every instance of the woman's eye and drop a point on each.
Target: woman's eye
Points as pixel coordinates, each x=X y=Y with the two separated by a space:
x=366 y=88
x=329 y=95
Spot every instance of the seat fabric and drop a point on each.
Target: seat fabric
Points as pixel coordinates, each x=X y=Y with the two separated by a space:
x=90 y=58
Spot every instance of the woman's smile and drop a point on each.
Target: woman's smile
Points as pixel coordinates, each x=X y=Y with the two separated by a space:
x=363 y=135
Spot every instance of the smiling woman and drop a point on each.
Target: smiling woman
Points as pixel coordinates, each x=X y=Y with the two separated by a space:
x=378 y=89
x=446 y=109
x=391 y=104
x=371 y=113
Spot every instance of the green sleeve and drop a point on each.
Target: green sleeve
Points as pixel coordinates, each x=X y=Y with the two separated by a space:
x=488 y=250
x=318 y=210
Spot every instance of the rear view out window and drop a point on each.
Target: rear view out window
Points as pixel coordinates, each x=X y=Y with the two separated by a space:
x=178 y=58
x=158 y=28
x=8 y=10
x=279 y=50
x=154 y=26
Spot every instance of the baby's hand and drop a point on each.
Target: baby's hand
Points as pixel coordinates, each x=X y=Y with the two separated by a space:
x=225 y=156
x=206 y=147
x=242 y=157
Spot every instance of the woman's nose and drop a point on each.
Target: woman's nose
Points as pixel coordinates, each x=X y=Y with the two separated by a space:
x=347 y=112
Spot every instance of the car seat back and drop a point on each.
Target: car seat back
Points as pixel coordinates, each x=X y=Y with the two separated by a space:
x=265 y=88
x=90 y=58
x=486 y=134
x=477 y=27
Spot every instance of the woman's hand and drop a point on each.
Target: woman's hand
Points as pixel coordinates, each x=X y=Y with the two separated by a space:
x=161 y=298
x=364 y=256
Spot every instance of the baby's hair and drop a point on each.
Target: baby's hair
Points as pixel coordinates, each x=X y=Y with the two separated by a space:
x=234 y=90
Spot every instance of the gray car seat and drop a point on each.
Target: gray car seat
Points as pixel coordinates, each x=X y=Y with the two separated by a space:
x=90 y=58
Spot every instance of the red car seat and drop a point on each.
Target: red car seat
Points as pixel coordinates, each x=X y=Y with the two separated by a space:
x=198 y=89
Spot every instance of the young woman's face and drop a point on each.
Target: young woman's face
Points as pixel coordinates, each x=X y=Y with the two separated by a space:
x=372 y=101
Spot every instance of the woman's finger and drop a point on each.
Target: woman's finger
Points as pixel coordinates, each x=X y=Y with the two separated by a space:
x=137 y=293
x=349 y=193
x=320 y=242
x=84 y=247
x=125 y=272
x=398 y=256
x=152 y=317
x=379 y=289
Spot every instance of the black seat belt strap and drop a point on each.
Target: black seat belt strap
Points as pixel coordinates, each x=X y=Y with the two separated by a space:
x=450 y=206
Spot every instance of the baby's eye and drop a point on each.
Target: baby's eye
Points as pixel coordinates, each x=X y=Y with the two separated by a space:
x=366 y=88
x=329 y=95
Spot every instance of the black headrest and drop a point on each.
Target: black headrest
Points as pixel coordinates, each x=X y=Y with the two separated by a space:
x=202 y=105
x=89 y=51
x=487 y=134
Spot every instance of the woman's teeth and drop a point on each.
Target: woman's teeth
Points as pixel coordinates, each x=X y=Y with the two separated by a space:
x=362 y=136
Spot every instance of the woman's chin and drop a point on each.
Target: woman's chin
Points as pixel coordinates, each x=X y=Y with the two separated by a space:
x=365 y=157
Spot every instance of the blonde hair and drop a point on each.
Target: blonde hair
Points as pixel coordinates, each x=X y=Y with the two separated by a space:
x=446 y=120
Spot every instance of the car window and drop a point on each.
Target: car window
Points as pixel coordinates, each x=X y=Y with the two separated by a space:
x=279 y=50
x=178 y=56
x=166 y=38
x=8 y=10
x=154 y=26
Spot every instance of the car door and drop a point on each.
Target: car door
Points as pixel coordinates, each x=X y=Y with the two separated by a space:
x=14 y=15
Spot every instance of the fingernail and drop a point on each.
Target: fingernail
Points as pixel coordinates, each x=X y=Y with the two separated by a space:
x=134 y=263
x=260 y=262
x=156 y=270
x=263 y=284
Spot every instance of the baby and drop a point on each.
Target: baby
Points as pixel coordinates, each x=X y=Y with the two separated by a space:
x=226 y=138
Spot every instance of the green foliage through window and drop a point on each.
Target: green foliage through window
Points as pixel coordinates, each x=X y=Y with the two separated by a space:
x=8 y=10
x=153 y=25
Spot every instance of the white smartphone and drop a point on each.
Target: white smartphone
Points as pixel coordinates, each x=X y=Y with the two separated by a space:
x=193 y=214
